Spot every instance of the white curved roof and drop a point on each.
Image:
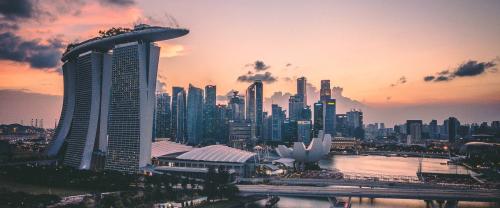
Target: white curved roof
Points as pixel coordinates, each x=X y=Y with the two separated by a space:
x=166 y=147
x=217 y=153
x=313 y=153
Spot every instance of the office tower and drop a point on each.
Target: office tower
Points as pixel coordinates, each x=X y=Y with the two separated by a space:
x=253 y=106
x=433 y=129
x=295 y=106
x=209 y=113
x=341 y=124
x=162 y=116
x=304 y=131
x=355 y=119
x=305 y=114
x=89 y=70
x=302 y=90
x=277 y=119
x=181 y=116
x=414 y=130
x=109 y=98
x=267 y=125
x=131 y=108
x=194 y=115
x=329 y=112
x=236 y=107
x=452 y=126
x=240 y=133
x=222 y=124
x=318 y=118
x=325 y=91
x=173 y=128
x=289 y=132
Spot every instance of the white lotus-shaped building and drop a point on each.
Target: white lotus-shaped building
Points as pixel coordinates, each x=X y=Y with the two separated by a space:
x=316 y=150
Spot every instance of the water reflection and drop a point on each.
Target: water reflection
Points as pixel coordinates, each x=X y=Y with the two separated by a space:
x=378 y=165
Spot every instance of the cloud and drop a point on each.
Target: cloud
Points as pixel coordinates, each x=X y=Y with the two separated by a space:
x=18 y=9
x=288 y=65
x=400 y=81
x=258 y=66
x=169 y=50
x=265 y=77
x=470 y=68
x=8 y=26
x=117 y=2
x=38 y=55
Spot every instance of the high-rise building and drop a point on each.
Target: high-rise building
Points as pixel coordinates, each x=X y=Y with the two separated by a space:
x=342 y=125
x=109 y=99
x=173 y=128
x=181 y=117
x=209 y=113
x=295 y=106
x=414 y=130
x=222 y=124
x=277 y=119
x=433 y=129
x=329 y=112
x=318 y=118
x=240 y=133
x=254 y=99
x=162 y=116
x=289 y=130
x=325 y=91
x=304 y=131
x=302 y=90
x=236 y=107
x=452 y=125
x=194 y=115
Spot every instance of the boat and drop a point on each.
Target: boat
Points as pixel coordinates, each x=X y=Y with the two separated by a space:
x=272 y=200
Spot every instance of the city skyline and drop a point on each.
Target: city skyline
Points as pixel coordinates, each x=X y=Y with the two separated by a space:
x=382 y=70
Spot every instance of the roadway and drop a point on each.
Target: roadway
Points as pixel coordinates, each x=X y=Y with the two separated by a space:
x=395 y=193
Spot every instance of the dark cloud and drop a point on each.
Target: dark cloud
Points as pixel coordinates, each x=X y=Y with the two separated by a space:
x=258 y=66
x=16 y=9
x=265 y=77
x=117 y=2
x=287 y=79
x=470 y=68
x=8 y=26
x=288 y=65
x=401 y=80
x=38 y=55
x=429 y=78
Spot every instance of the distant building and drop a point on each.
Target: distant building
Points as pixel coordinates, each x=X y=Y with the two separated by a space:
x=302 y=90
x=295 y=106
x=209 y=113
x=173 y=128
x=277 y=119
x=236 y=107
x=304 y=131
x=433 y=130
x=318 y=118
x=162 y=116
x=194 y=115
x=341 y=124
x=355 y=124
x=254 y=107
x=452 y=124
x=181 y=117
x=222 y=124
x=289 y=134
x=414 y=130
x=325 y=92
x=329 y=112
x=240 y=133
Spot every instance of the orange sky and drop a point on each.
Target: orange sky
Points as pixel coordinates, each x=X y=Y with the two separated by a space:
x=361 y=46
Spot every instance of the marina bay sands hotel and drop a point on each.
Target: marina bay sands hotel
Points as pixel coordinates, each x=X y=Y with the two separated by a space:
x=109 y=98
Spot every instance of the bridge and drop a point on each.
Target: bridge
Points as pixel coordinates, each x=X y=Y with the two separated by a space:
x=483 y=195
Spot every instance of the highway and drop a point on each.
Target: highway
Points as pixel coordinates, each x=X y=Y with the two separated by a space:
x=396 y=193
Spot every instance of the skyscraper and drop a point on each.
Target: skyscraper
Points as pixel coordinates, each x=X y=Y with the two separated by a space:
x=173 y=128
x=355 y=123
x=414 y=130
x=453 y=125
x=194 y=115
x=236 y=107
x=329 y=112
x=254 y=99
x=318 y=118
x=325 y=91
x=295 y=106
x=209 y=113
x=433 y=129
x=277 y=119
x=304 y=131
x=302 y=90
x=109 y=98
x=162 y=116
x=181 y=117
